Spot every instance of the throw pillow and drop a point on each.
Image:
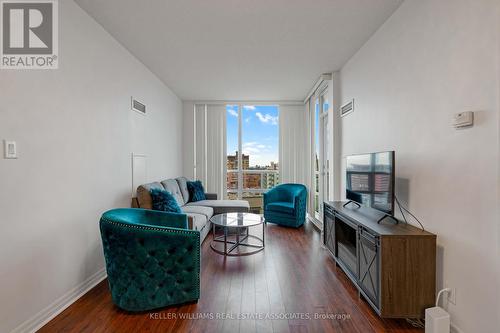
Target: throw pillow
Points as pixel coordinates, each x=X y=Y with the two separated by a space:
x=164 y=201
x=196 y=191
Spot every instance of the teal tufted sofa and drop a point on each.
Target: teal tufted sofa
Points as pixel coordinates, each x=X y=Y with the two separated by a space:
x=286 y=204
x=152 y=259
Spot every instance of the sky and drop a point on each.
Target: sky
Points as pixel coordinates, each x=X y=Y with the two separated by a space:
x=260 y=132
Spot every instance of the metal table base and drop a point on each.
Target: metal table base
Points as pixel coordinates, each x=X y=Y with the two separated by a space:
x=238 y=240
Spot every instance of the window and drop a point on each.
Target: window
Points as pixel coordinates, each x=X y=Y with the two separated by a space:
x=253 y=131
x=321 y=153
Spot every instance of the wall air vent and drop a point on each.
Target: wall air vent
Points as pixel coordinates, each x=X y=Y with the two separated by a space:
x=347 y=108
x=138 y=106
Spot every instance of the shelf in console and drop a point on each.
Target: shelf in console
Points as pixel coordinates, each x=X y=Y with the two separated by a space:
x=368 y=217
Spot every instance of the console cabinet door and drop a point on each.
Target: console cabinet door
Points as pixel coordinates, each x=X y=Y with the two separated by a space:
x=329 y=229
x=368 y=261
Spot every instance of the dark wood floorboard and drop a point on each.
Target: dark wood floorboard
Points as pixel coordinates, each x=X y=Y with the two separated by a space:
x=293 y=275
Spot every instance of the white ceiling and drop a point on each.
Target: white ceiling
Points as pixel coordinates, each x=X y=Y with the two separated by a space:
x=241 y=49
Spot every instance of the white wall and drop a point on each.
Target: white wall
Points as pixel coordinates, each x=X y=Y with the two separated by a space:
x=75 y=135
x=430 y=60
x=498 y=86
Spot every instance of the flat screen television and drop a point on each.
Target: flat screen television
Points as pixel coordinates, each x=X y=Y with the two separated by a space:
x=370 y=180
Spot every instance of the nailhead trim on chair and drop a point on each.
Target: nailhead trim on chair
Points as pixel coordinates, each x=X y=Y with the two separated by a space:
x=169 y=229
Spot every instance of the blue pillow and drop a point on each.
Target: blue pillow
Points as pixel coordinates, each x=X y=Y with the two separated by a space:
x=196 y=191
x=164 y=201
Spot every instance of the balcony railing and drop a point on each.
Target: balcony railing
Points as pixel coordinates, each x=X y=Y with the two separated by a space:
x=254 y=181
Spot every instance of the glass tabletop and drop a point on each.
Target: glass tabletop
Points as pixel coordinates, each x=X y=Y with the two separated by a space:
x=237 y=220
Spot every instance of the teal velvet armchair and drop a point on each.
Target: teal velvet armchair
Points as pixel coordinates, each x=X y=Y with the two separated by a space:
x=152 y=259
x=286 y=204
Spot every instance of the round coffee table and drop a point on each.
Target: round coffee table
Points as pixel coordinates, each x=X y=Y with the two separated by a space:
x=235 y=239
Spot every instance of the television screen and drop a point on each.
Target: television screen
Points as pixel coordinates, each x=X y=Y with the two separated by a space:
x=370 y=180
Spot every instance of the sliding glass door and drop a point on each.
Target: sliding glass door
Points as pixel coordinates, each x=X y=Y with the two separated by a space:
x=326 y=148
x=252 y=146
x=317 y=157
x=321 y=159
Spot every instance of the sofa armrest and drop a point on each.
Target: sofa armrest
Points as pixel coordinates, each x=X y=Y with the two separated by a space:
x=190 y=222
x=211 y=196
x=134 y=203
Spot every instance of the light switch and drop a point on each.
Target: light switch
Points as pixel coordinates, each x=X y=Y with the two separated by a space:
x=10 y=149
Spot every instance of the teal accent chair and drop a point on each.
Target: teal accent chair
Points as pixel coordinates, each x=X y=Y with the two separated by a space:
x=286 y=204
x=152 y=259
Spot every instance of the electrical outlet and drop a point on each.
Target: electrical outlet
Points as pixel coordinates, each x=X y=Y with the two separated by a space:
x=452 y=296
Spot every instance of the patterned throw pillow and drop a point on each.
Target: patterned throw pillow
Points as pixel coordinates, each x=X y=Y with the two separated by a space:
x=196 y=191
x=164 y=201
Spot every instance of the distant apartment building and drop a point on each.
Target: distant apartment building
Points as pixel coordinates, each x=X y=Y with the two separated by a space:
x=270 y=180
x=252 y=180
x=256 y=180
x=232 y=181
x=232 y=161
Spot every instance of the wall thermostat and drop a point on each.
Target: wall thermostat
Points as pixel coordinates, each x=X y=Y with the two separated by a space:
x=463 y=119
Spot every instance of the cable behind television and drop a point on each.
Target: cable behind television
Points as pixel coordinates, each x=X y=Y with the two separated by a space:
x=403 y=209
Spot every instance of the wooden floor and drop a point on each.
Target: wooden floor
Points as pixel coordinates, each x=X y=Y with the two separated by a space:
x=288 y=285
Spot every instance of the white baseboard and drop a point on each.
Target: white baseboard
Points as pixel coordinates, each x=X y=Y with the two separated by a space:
x=43 y=317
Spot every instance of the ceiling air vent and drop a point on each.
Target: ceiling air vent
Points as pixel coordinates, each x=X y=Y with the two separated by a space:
x=138 y=106
x=347 y=108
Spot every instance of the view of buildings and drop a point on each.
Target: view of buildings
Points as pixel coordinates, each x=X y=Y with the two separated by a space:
x=256 y=180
